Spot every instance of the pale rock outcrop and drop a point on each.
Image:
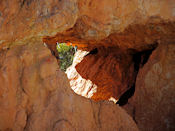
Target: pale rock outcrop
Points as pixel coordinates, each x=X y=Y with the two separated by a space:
x=80 y=85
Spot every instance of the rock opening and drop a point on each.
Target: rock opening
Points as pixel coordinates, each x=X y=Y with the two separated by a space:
x=106 y=73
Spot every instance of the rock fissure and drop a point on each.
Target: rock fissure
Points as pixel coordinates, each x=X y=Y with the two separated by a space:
x=98 y=116
x=21 y=77
x=133 y=114
x=62 y=120
x=94 y=114
x=27 y=123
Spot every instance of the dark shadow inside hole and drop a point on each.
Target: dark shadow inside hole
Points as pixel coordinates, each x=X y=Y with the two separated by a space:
x=139 y=59
x=93 y=52
x=124 y=98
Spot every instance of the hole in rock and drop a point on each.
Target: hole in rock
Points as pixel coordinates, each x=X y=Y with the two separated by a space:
x=64 y=52
x=128 y=94
x=103 y=73
x=65 y=55
x=68 y=56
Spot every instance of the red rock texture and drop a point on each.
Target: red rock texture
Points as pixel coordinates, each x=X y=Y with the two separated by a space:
x=35 y=95
x=111 y=69
x=137 y=36
x=153 y=103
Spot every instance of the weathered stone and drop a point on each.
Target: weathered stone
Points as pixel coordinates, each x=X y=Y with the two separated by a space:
x=128 y=23
x=35 y=95
x=153 y=103
x=25 y=18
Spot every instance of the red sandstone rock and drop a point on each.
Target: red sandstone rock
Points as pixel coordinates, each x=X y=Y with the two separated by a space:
x=35 y=95
x=153 y=103
x=111 y=69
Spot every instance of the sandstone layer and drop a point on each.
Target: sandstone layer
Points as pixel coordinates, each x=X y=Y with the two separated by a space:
x=35 y=95
x=153 y=103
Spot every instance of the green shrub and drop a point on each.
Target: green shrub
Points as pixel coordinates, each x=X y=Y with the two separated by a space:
x=66 y=55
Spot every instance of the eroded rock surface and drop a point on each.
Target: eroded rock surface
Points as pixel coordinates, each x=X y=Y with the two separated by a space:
x=108 y=69
x=153 y=103
x=83 y=21
x=25 y=18
x=35 y=95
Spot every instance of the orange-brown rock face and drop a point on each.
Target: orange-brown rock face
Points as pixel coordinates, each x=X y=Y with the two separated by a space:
x=115 y=15
x=35 y=95
x=28 y=78
x=153 y=103
x=89 y=19
x=26 y=18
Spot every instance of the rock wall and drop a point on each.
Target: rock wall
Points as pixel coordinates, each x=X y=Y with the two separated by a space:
x=35 y=95
x=153 y=103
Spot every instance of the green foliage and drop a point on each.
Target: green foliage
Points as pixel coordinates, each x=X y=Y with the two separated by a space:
x=66 y=55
